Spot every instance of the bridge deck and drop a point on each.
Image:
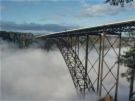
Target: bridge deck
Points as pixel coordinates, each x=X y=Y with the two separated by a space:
x=123 y=26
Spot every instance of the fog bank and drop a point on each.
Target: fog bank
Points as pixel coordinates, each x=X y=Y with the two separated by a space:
x=34 y=74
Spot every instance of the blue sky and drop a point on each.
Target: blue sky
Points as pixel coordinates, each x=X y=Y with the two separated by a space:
x=74 y=13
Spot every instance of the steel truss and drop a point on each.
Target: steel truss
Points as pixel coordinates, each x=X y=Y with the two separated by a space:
x=91 y=74
x=78 y=73
x=92 y=55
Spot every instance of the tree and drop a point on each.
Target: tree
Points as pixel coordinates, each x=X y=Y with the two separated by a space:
x=118 y=2
x=128 y=59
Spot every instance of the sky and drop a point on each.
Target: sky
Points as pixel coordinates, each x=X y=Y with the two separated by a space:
x=58 y=15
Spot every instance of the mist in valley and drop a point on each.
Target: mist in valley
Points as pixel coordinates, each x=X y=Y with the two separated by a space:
x=35 y=74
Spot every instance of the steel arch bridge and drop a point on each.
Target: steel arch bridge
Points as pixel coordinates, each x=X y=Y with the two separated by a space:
x=91 y=55
x=87 y=55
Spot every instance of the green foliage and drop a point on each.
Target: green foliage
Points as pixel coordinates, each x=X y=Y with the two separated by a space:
x=133 y=99
x=128 y=59
x=118 y=2
x=20 y=39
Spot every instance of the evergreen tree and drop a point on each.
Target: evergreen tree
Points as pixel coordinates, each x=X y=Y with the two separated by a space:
x=128 y=59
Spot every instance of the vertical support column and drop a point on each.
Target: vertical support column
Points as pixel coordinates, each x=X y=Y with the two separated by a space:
x=131 y=84
x=75 y=57
x=86 y=62
x=99 y=66
x=117 y=78
x=68 y=41
x=102 y=62
x=78 y=44
x=71 y=41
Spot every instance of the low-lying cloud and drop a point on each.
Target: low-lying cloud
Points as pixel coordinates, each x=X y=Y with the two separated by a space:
x=34 y=74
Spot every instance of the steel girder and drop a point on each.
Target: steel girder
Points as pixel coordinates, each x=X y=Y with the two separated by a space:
x=83 y=70
x=100 y=67
x=79 y=76
x=119 y=27
x=71 y=53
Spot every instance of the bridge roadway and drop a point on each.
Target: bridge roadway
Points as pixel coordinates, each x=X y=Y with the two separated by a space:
x=123 y=26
